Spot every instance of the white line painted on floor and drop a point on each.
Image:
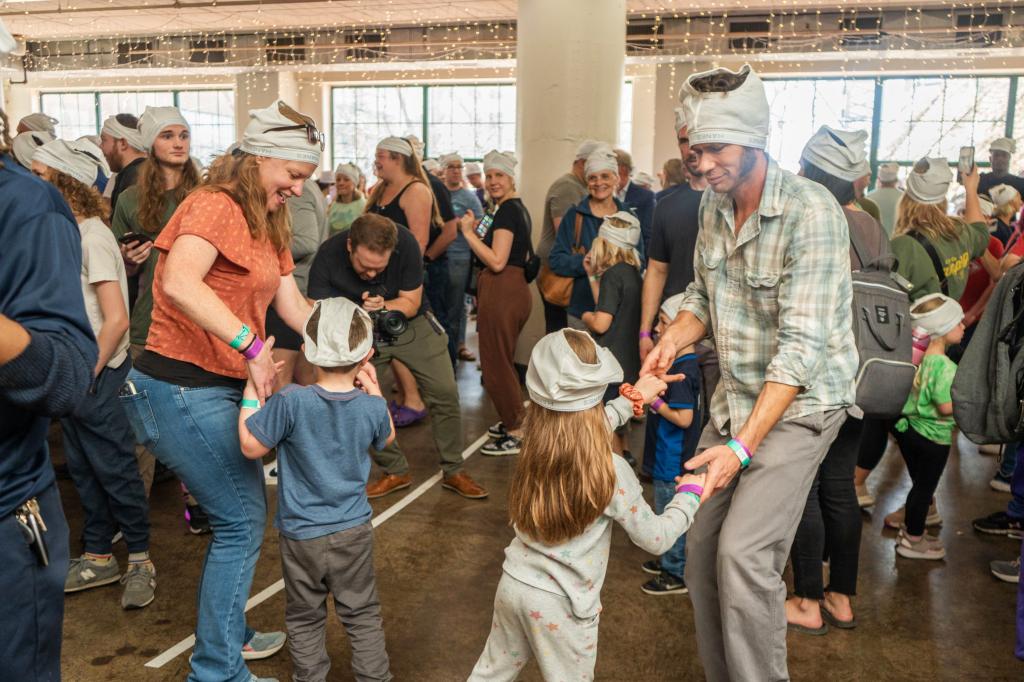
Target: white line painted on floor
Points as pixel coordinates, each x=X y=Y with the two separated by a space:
x=268 y=592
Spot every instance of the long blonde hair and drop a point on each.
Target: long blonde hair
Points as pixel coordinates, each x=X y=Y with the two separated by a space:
x=565 y=477
x=930 y=220
x=411 y=166
x=238 y=175
x=604 y=254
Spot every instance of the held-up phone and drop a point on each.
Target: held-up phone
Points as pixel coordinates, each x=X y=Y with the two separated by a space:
x=129 y=238
x=485 y=225
x=966 y=162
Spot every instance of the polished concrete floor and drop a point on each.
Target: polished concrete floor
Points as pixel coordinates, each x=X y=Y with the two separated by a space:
x=438 y=560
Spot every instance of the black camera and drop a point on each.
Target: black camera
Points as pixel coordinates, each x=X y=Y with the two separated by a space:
x=388 y=325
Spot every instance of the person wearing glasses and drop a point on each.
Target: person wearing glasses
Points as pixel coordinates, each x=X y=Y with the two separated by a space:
x=223 y=258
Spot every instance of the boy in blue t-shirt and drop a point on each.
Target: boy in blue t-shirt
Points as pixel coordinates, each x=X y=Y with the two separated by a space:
x=322 y=433
x=673 y=429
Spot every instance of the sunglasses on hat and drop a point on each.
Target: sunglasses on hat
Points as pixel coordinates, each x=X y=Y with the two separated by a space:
x=303 y=123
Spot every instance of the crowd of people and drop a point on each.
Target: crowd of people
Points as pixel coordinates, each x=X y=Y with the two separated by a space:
x=194 y=319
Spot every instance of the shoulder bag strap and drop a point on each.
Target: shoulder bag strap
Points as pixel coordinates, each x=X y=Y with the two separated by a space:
x=936 y=261
x=579 y=230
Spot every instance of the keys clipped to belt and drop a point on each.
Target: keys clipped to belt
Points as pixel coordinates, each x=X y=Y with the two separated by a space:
x=33 y=527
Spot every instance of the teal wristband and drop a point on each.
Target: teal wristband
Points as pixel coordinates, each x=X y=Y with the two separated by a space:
x=693 y=495
x=741 y=452
x=236 y=342
x=250 y=403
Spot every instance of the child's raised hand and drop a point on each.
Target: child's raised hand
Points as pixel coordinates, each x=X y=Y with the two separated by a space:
x=366 y=378
x=691 y=479
x=650 y=387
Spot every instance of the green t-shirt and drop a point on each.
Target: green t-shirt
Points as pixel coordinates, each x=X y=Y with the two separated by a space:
x=869 y=207
x=932 y=388
x=342 y=215
x=914 y=263
x=126 y=220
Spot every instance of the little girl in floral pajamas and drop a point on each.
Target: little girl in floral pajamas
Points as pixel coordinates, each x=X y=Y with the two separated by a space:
x=567 y=490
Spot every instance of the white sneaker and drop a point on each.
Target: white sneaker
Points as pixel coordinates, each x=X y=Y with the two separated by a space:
x=896 y=519
x=925 y=547
x=999 y=485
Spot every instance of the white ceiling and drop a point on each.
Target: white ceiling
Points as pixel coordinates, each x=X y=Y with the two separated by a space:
x=71 y=19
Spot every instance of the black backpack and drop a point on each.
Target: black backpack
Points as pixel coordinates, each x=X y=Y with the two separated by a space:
x=882 y=333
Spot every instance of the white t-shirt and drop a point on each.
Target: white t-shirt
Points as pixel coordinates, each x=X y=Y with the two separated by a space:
x=101 y=262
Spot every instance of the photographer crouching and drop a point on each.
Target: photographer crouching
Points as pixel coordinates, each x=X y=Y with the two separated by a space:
x=378 y=264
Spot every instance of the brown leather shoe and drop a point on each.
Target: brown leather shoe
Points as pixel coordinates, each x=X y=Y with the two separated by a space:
x=462 y=484
x=389 y=484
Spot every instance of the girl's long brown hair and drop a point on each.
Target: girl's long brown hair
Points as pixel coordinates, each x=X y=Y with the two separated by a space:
x=151 y=191
x=565 y=477
x=238 y=175
x=85 y=200
x=411 y=166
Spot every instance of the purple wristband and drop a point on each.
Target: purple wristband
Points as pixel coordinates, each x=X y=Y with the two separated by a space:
x=690 y=488
x=656 y=405
x=645 y=335
x=253 y=350
x=744 y=446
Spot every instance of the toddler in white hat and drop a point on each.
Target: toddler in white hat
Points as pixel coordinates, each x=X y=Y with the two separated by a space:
x=567 y=490
x=322 y=433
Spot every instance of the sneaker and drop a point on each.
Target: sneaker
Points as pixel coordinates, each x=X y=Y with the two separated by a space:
x=999 y=483
x=387 y=485
x=506 y=445
x=263 y=645
x=1007 y=571
x=925 y=547
x=664 y=584
x=84 y=574
x=991 y=449
x=253 y=678
x=196 y=519
x=118 y=537
x=652 y=566
x=139 y=586
x=462 y=484
x=1000 y=523
x=864 y=496
x=895 y=520
x=497 y=430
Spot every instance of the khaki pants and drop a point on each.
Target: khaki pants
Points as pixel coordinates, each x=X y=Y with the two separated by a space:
x=425 y=352
x=737 y=548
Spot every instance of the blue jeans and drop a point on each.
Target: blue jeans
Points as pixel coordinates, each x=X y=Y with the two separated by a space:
x=194 y=432
x=459 y=265
x=32 y=596
x=674 y=560
x=100 y=450
x=1008 y=462
x=437 y=290
x=1016 y=506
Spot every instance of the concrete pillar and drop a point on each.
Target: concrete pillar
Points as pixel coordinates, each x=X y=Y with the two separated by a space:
x=569 y=71
x=17 y=102
x=644 y=106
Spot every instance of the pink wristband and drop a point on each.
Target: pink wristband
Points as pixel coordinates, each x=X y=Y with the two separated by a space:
x=645 y=335
x=656 y=405
x=253 y=350
x=690 y=488
x=744 y=446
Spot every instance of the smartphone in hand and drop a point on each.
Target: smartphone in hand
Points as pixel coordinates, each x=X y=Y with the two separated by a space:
x=136 y=238
x=966 y=162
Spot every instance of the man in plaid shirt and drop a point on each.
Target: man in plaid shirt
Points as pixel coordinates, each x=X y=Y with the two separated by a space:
x=772 y=288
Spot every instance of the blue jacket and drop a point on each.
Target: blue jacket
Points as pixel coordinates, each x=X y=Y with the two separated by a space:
x=642 y=200
x=563 y=261
x=40 y=288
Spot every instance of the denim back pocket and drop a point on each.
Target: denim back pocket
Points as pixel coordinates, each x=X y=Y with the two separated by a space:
x=140 y=414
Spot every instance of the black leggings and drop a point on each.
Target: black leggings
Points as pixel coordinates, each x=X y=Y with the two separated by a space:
x=831 y=522
x=926 y=461
x=873 y=441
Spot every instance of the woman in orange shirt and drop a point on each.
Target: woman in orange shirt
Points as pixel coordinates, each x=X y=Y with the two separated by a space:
x=223 y=258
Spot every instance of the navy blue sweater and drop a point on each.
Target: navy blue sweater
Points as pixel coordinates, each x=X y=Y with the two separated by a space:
x=40 y=288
